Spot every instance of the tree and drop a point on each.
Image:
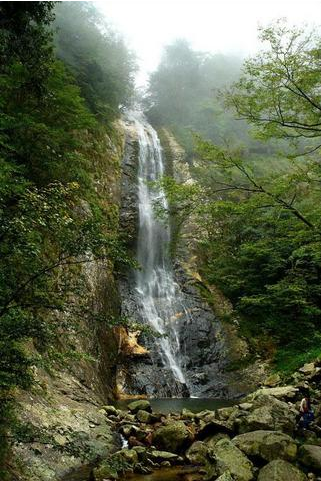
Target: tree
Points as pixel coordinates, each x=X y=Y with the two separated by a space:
x=46 y=179
x=279 y=90
x=97 y=56
x=260 y=224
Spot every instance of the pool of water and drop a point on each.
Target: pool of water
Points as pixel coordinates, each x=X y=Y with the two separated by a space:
x=175 y=405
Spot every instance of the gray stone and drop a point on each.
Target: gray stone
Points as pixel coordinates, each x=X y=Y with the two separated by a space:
x=141 y=404
x=110 y=410
x=268 y=413
x=211 y=441
x=279 y=470
x=229 y=458
x=172 y=437
x=144 y=416
x=160 y=456
x=267 y=445
x=197 y=453
x=310 y=456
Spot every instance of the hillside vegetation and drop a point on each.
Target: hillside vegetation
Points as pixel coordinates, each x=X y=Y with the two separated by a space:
x=56 y=102
x=256 y=202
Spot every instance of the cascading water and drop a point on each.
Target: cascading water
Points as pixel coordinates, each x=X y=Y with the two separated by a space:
x=159 y=295
x=189 y=356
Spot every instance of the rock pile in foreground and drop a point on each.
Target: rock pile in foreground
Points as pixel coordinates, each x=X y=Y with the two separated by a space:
x=257 y=439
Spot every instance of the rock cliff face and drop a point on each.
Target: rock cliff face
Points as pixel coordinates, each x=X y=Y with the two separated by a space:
x=220 y=356
x=61 y=424
x=208 y=346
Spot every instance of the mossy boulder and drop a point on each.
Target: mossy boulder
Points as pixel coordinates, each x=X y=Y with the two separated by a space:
x=197 y=453
x=160 y=456
x=228 y=458
x=173 y=437
x=310 y=456
x=279 y=470
x=105 y=471
x=211 y=441
x=110 y=410
x=141 y=404
x=144 y=416
x=267 y=445
x=268 y=413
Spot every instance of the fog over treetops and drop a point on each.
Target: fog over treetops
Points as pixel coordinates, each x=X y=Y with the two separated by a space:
x=209 y=25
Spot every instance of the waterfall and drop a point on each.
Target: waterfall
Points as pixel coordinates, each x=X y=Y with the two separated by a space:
x=159 y=296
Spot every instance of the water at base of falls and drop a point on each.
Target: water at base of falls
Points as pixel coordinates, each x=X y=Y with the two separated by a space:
x=158 y=295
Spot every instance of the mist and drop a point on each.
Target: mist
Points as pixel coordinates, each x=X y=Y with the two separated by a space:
x=217 y=26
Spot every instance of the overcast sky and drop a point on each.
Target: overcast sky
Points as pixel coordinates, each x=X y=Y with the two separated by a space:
x=228 y=26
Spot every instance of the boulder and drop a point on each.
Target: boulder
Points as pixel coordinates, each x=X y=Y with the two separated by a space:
x=204 y=414
x=129 y=456
x=128 y=418
x=197 y=453
x=105 y=471
x=141 y=404
x=144 y=416
x=246 y=406
x=231 y=459
x=159 y=456
x=310 y=456
x=272 y=380
x=268 y=413
x=187 y=414
x=211 y=441
x=224 y=414
x=267 y=445
x=279 y=470
x=287 y=393
x=308 y=368
x=213 y=427
x=110 y=410
x=225 y=477
x=173 y=437
x=128 y=430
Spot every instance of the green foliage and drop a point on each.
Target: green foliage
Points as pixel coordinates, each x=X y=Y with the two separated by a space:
x=279 y=90
x=97 y=56
x=289 y=360
x=52 y=219
x=260 y=215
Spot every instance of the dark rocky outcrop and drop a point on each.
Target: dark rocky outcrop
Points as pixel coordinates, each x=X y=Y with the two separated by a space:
x=207 y=345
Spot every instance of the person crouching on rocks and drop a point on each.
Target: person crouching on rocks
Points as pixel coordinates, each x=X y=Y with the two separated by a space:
x=307 y=415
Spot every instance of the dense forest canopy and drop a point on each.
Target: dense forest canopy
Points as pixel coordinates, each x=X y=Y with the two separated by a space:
x=54 y=102
x=260 y=214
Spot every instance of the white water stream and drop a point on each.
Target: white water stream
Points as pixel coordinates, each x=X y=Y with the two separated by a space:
x=159 y=295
